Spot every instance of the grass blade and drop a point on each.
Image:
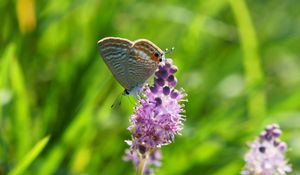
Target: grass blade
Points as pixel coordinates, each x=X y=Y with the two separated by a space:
x=30 y=157
x=252 y=60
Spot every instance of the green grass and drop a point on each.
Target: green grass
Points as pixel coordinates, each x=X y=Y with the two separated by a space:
x=28 y=158
x=238 y=62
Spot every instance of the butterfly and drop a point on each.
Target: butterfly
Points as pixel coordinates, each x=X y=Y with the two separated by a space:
x=131 y=63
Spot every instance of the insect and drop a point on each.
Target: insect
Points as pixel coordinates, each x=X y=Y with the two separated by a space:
x=131 y=63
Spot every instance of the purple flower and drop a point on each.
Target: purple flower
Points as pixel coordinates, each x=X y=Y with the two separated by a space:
x=266 y=154
x=158 y=116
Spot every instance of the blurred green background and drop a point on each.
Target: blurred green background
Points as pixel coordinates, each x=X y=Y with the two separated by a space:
x=238 y=62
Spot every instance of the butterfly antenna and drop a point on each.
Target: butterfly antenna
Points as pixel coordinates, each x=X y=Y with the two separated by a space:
x=167 y=51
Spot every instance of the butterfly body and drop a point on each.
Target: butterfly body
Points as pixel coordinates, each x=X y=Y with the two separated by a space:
x=131 y=63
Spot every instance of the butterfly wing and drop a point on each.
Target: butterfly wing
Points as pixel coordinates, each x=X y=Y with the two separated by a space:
x=142 y=63
x=131 y=63
x=114 y=52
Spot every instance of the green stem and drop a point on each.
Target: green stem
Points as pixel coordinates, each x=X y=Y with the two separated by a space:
x=142 y=164
x=143 y=161
x=252 y=61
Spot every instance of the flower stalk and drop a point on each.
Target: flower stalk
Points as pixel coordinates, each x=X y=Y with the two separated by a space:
x=142 y=164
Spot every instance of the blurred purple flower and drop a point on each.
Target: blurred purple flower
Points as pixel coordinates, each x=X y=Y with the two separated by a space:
x=157 y=118
x=266 y=154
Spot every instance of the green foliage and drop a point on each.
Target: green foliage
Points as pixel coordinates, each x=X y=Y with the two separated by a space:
x=28 y=158
x=238 y=62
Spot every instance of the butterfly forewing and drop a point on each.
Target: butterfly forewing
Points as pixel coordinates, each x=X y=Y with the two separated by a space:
x=114 y=52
